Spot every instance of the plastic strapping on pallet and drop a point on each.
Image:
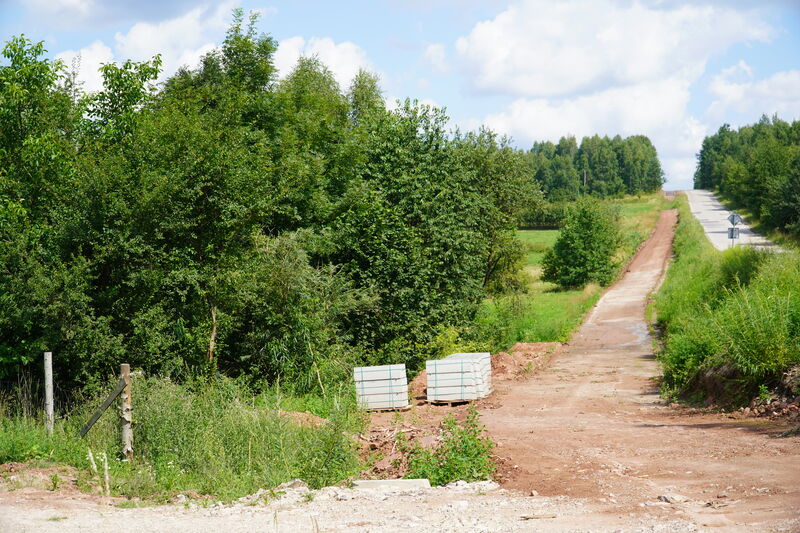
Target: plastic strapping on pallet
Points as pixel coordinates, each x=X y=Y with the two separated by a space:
x=387 y=389
x=472 y=382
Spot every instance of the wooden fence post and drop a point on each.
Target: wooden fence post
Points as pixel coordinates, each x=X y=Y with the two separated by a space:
x=48 y=390
x=127 y=419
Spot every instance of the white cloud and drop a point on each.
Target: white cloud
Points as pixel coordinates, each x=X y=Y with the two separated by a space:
x=628 y=110
x=544 y=48
x=181 y=41
x=88 y=59
x=734 y=89
x=92 y=15
x=63 y=8
x=657 y=109
x=617 y=67
x=436 y=57
x=343 y=59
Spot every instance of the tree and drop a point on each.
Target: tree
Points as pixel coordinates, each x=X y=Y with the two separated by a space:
x=499 y=176
x=585 y=248
x=755 y=167
x=125 y=88
x=364 y=97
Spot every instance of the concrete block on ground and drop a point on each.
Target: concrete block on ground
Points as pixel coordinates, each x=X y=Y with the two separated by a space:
x=391 y=484
x=381 y=387
x=459 y=377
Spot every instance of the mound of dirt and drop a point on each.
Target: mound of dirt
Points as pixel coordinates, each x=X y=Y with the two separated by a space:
x=522 y=360
x=304 y=419
x=25 y=475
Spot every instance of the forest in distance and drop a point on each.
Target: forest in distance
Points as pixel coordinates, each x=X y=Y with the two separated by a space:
x=757 y=167
x=231 y=221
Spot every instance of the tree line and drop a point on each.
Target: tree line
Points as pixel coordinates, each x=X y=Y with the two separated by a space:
x=758 y=168
x=600 y=167
x=281 y=228
x=227 y=220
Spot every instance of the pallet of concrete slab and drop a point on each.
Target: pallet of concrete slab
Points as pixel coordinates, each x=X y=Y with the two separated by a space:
x=459 y=377
x=381 y=387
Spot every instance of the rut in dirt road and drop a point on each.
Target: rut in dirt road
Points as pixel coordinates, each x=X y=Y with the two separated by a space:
x=593 y=426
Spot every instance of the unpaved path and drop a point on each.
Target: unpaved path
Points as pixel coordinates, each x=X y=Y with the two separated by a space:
x=588 y=433
x=714 y=218
x=592 y=426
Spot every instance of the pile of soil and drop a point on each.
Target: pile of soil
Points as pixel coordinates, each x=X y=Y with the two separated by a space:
x=62 y=478
x=304 y=419
x=524 y=359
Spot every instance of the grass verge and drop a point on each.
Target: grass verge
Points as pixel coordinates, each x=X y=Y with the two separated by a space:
x=731 y=319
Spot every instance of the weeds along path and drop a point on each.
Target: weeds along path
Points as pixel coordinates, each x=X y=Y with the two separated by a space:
x=592 y=425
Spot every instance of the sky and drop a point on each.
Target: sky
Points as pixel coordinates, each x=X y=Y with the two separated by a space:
x=531 y=69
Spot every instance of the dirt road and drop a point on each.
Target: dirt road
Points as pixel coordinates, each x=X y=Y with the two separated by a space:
x=588 y=433
x=592 y=426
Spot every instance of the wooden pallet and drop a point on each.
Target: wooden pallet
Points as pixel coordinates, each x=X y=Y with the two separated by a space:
x=400 y=409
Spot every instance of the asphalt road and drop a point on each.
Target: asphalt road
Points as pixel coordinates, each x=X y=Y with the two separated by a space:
x=714 y=218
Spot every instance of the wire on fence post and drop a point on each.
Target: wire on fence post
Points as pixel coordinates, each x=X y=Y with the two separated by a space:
x=127 y=419
x=48 y=390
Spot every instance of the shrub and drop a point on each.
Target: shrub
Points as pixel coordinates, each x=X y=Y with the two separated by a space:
x=585 y=248
x=464 y=454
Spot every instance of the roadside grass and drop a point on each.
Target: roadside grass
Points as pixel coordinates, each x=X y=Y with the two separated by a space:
x=731 y=319
x=546 y=313
x=218 y=439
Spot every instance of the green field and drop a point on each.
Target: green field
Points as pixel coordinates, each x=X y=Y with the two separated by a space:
x=547 y=313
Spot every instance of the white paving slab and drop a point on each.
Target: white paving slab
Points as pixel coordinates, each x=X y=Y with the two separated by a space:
x=714 y=218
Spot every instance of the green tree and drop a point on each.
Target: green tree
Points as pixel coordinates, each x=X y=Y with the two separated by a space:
x=585 y=248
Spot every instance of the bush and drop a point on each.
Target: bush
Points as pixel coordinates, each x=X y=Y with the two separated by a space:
x=464 y=454
x=543 y=215
x=585 y=248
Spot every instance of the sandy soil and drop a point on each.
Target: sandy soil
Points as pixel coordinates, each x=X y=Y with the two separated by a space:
x=584 y=443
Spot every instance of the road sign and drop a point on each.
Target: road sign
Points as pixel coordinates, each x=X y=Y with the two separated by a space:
x=733 y=233
x=734 y=219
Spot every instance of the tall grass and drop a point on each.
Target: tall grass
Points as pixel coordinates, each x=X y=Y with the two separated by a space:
x=218 y=438
x=732 y=318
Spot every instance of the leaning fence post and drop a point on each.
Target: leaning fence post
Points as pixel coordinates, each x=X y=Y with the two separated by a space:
x=127 y=428
x=48 y=390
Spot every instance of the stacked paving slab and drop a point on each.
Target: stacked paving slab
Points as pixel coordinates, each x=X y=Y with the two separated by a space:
x=381 y=387
x=459 y=377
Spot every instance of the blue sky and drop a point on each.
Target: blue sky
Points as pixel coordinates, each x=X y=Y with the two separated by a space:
x=532 y=69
